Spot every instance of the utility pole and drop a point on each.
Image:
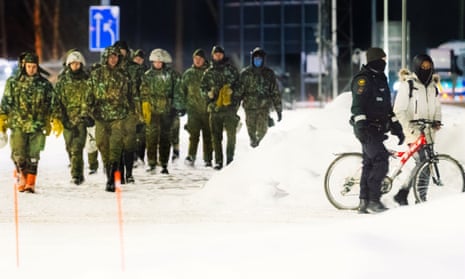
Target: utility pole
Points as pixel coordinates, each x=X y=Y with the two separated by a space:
x=178 y=65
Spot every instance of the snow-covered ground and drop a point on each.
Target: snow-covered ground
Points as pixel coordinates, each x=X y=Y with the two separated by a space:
x=263 y=216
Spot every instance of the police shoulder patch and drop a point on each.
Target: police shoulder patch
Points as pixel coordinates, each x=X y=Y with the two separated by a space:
x=361 y=85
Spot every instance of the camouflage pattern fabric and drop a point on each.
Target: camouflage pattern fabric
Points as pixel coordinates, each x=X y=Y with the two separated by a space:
x=215 y=77
x=69 y=105
x=197 y=113
x=160 y=88
x=259 y=93
x=27 y=101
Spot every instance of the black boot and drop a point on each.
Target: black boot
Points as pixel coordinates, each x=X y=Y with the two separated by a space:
x=129 y=163
x=375 y=207
x=362 y=208
x=401 y=197
x=110 y=171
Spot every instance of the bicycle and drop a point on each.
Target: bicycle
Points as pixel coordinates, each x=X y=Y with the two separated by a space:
x=438 y=176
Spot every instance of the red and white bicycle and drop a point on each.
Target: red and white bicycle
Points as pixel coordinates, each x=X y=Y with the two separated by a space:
x=438 y=176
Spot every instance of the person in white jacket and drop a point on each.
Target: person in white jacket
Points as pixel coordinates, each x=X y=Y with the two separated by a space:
x=417 y=98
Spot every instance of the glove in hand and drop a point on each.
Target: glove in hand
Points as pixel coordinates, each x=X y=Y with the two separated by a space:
x=3 y=122
x=57 y=127
x=146 y=112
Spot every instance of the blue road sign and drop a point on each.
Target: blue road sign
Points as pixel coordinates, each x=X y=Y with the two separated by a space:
x=103 y=27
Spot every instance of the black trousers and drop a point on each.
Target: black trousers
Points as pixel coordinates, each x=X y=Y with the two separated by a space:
x=375 y=168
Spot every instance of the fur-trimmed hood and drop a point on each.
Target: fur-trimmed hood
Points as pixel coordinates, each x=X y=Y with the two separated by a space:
x=405 y=74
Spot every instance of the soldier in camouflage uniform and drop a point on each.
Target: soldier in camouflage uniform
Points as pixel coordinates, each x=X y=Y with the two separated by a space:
x=135 y=72
x=196 y=106
x=108 y=103
x=218 y=86
x=259 y=93
x=139 y=58
x=160 y=103
x=69 y=107
x=25 y=108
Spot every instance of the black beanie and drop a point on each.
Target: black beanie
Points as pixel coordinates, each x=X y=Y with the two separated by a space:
x=199 y=52
x=375 y=53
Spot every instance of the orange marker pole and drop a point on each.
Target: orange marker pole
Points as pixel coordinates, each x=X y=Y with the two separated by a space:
x=120 y=215
x=15 y=195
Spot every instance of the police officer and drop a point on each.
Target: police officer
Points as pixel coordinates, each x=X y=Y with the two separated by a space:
x=372 y=117
x=25 y=108
x=259 y=92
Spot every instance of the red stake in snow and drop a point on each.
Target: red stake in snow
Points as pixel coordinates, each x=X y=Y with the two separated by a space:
x=15 y=195
x=120 y=215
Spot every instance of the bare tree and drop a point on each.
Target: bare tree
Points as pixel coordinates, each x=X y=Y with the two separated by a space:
x=56 y=30
x=38 y=42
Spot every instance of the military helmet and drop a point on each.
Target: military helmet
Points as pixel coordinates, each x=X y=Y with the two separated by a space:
x=30 y=57
x=139 y=52
x=160 y=55
x=216 y=49
x=75 y=56
x=258 y=51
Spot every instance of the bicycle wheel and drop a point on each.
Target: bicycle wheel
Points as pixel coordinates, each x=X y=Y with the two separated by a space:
x=342 y=181
x=439 y=178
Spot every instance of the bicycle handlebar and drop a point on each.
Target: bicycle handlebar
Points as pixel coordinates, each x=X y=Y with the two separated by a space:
x=422 y=123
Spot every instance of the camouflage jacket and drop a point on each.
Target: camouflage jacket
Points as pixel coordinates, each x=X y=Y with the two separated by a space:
x=110 y=94
x=161 y=89
x=69 y=102
x=27 y=101
x=214 y=78
x=136 y=72
x=193 y=100
x=258 y=89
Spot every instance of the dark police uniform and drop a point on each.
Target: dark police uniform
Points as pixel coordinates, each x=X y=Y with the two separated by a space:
x=372 y=117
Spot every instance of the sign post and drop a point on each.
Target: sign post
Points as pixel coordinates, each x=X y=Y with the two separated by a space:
x=103 y=27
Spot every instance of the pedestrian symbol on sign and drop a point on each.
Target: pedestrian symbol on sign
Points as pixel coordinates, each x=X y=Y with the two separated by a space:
x=103 y=27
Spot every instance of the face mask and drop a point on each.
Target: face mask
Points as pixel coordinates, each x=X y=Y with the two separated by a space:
x=425 y=76
x=377 y=65
x=257 y=61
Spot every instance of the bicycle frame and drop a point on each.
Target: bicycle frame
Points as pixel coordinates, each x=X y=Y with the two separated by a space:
x=406 y=155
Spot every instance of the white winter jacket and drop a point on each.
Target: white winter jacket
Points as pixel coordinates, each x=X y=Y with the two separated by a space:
x=424 y=104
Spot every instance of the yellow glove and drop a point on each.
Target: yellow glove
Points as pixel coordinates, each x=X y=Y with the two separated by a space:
x=57 y=127
x=219 y=100
x=225 y=93
x=3 y=122
x=147 y=112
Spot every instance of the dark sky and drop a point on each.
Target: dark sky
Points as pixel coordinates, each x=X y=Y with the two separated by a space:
x=431 y=22
x=150 y=23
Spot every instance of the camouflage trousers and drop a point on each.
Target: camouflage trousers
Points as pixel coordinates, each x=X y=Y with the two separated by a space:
x=158 y=138
x=25 y=150
x=174 y=138
x=109 y=138
x=75 y=140
x=220 y=121
x=196 y=123
x=257 y=124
